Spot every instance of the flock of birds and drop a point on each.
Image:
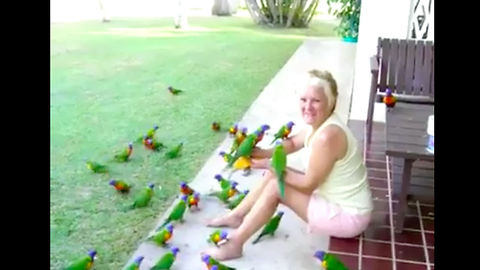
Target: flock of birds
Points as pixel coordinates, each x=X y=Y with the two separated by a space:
x=238 y=158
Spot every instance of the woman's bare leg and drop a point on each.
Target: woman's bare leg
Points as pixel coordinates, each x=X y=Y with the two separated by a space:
x=258 y=216
x=235 y=217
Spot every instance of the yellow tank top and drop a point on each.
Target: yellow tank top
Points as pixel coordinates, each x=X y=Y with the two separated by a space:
x=347 y=183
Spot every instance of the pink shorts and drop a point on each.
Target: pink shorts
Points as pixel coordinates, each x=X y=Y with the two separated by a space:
x=329 y=218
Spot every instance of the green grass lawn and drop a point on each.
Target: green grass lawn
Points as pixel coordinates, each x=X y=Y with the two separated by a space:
x=108 y=86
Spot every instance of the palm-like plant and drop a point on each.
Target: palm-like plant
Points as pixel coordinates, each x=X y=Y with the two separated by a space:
x=284 y=13
x=349 y=15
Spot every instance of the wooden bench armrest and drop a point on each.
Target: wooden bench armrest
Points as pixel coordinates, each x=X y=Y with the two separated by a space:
x=374 y=64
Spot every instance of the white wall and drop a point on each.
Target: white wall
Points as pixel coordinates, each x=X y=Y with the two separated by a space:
x=378 y=18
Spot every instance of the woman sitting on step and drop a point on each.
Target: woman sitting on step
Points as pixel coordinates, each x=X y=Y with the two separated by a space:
x=332 y=195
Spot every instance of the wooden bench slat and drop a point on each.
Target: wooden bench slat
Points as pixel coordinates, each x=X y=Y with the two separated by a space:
x=427 y=69
x=402 y=52
x=393 y=65
x=385 y=58
x=418 y=75
x=409 y=66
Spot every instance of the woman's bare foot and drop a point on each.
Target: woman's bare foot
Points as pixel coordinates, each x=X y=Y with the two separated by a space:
x=228 y=251
x=227 y=220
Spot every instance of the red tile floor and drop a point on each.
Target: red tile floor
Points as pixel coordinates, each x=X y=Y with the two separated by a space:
x=379 y=247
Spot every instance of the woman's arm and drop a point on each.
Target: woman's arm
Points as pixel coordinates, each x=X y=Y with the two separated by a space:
x=260 y=157
x=291 y=145
x=328 y=147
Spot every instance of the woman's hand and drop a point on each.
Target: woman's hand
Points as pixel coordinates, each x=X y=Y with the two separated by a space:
x=263 y=163
x=260 y=153
x=257 y=153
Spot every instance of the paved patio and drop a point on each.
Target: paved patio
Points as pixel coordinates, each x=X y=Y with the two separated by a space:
x=293 y=246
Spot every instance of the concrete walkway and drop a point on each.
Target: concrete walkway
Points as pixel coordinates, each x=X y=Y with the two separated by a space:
x=293 y=246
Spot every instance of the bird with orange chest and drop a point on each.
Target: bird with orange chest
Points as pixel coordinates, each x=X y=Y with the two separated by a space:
x=261 y=132
x=162 y=235
x=217 y=236
x=239 y=137
x=125 y=154
x=120 y=185
x=216 y=126
x=233 y=129
x=193 y=200
x=389 y=99
x=185 y=189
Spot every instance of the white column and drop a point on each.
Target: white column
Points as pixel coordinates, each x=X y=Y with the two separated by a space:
x=378 y=18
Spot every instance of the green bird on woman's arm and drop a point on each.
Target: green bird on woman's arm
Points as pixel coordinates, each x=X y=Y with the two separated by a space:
x=279 y=165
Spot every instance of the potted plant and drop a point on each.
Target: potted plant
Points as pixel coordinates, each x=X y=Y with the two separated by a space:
x=348 y=11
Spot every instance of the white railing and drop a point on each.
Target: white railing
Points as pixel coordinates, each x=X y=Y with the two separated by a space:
x=421 y=19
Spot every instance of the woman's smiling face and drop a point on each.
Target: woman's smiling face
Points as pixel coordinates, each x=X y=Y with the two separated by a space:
x=314 y=105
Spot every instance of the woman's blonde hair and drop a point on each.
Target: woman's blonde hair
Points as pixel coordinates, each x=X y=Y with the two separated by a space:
x=324 y=79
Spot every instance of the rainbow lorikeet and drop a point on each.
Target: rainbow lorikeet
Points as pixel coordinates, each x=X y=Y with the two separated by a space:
x=125 y=154
x=237 y=200
x=244 y=149
x=217 y=236
x=96 y=167
x=193 y=200
x=242 y=163
x=270 y=227
x=144 y=197
x=162 y=235
x=261 y=132
x=174 y=91
x=226 y=193
x=329 y=261
x=225 y=156
x=210 y=262
x=120 y=185
x=239 y=137
x=135 y=265
x=84 y=263
x=233 y=129
x=224 y=183
x=167 y=260
x=150 y=134
x=185 y=189
x=216 y=126
x=279 y=164
x=174 y=151
x=153 y=144
x=283 y=132
x=389 y=99
x=178 y=211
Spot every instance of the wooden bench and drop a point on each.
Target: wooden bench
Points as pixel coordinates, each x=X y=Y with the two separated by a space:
x=406 y=68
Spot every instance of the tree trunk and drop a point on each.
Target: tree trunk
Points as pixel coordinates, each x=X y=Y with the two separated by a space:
x=280 y=11
x=222 y=8
x=312 y=8
x=291 y=12
x=271 y=5
x=255 y=13
x=180 y=18
x=105 y=17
